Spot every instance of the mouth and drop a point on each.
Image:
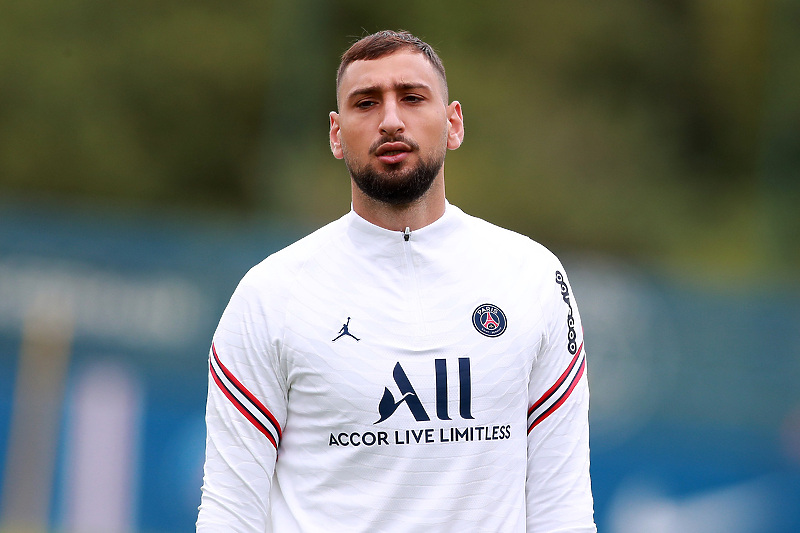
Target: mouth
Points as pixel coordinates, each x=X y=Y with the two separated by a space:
x=392 y=153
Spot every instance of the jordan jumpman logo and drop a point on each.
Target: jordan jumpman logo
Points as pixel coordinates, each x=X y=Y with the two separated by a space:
x=345 y=331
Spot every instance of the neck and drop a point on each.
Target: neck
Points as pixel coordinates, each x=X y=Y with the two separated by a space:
x=415 y=215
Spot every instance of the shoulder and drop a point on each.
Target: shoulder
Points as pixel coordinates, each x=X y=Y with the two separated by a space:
x=282 y=268
x=263 y=293
x=528 y=266
x=505 y=242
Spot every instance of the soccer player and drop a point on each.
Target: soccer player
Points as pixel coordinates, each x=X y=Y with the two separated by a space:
x=407 y=367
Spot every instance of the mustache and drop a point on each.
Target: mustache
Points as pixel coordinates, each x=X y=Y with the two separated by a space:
x=393 y=139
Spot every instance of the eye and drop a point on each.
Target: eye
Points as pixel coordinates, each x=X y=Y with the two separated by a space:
x=365 y=104
x=413 y=98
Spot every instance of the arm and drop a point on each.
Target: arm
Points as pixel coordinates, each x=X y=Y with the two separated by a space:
x=245 y=414
x=558 y=488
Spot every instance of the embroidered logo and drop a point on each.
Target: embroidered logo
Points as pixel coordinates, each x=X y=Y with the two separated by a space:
x=489 y=320
x=345 y=331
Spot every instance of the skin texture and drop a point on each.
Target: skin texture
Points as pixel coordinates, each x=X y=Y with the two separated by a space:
x=393 y=118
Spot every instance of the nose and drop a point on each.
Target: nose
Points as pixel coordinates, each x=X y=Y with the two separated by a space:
x=391 y=122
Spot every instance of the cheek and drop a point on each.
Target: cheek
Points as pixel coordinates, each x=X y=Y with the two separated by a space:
x=436 y=139
x=436 y=129
x=355 y=139
x=352 y=156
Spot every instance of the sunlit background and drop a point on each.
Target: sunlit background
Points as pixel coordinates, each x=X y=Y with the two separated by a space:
x=151 y=152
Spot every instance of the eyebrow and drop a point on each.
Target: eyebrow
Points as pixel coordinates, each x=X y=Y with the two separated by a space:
x=372 y=89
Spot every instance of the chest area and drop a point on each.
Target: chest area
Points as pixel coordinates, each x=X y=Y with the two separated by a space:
x=397 y=361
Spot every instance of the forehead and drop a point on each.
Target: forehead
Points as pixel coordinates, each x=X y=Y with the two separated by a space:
x=404 y=67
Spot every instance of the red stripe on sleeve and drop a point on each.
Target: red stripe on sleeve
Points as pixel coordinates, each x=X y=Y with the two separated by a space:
x=561 y=400
x=247 y=393
x=557 y=384
x=259 y=426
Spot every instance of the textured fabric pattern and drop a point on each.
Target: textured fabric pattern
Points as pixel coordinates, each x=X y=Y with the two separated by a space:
x=363 y=382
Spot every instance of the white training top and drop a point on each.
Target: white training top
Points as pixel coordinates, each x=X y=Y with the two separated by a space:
x=367 y=380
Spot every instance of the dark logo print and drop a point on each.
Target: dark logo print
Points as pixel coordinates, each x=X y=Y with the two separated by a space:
x=572 y=338
x=489 y=320
x=345 y=331
x=388 y=405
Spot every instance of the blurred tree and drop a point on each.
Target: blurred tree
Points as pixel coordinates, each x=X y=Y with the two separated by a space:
x=779 y=144
x=131 y=102
x=640 y=128
x=299 y=97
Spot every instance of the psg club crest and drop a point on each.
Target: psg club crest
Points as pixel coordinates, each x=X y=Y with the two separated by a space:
x=489 y=320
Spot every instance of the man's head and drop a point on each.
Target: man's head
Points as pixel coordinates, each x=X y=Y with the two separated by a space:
x=394 y=124
x=387 y=42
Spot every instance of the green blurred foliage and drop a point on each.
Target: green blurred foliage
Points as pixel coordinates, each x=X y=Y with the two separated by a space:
x=666 y=131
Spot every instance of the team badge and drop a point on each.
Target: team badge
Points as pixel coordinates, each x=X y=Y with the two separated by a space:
x=489 y=320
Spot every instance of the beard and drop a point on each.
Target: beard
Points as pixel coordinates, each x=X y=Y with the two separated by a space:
x=396 y=186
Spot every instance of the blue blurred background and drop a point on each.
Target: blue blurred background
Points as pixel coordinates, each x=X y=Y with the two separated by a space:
x=150 y=153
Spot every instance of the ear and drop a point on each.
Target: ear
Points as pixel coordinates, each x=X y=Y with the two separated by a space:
x=455 y=127
x=335 y=137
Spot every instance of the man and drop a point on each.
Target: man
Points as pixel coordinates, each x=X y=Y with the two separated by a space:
x=406 y=367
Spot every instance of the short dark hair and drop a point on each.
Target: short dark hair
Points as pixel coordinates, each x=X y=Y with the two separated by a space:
x=387 y=42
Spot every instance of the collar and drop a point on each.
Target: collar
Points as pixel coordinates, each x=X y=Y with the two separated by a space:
x=365 y=231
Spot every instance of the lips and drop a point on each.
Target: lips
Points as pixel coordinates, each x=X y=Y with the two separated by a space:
x=392 y=153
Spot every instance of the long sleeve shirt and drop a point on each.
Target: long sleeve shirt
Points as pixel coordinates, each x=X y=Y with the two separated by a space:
x=363 y=379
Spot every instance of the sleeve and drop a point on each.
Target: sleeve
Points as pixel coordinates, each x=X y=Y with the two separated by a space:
x=558 y=489
x=245 y=413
